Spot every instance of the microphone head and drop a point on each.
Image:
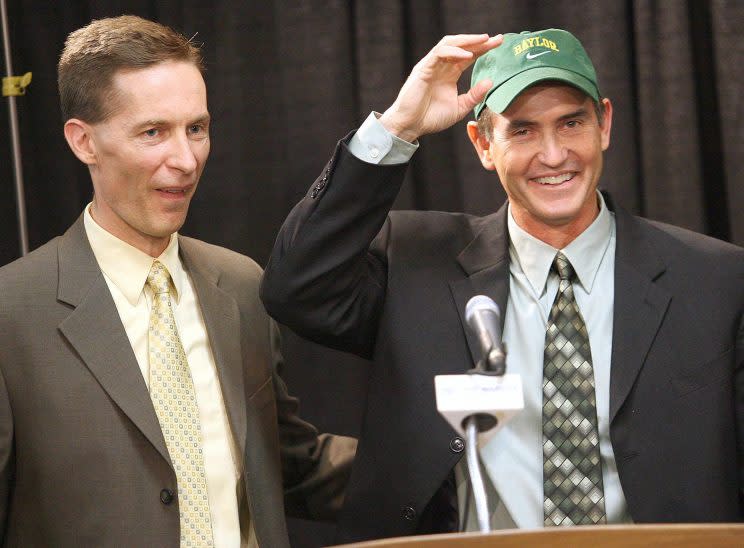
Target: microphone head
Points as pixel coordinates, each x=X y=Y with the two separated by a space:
x=481 y=303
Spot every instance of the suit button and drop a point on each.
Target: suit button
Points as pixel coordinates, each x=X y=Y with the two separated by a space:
x=314 y=193
x=409 y=513
x=321 y=185
x=457 y=445
x=166 y=496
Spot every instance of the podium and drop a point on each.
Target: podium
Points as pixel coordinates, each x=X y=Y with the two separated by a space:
x=725 y=535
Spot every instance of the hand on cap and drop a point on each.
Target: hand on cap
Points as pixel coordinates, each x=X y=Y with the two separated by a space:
x=428 y=101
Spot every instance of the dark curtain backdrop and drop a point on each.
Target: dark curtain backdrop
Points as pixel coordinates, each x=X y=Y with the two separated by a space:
x=288 y=78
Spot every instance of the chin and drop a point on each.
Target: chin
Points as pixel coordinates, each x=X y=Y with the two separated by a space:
x=169 y=226
x=558 y=217
x=163 y=231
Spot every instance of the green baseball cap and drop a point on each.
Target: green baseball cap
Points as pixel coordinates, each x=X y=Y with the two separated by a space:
x=526 y=58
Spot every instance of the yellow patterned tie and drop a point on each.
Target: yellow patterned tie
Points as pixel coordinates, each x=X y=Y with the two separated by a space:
x=174 y=399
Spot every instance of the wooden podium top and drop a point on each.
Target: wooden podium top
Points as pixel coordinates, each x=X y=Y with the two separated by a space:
x=726 y=535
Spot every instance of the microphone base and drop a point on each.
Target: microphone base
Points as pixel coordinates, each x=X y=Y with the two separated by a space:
x=461 y=396
x=483 y=422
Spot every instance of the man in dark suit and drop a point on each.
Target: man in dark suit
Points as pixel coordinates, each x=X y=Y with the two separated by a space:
x=140 y=397
x=628 y=334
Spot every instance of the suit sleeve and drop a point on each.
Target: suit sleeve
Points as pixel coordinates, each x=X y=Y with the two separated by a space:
x=6 y=455
x=315 y=468
x=739 y=403
x=326 y=277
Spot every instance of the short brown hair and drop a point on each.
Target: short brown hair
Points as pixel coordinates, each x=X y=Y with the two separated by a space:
x=94 y=53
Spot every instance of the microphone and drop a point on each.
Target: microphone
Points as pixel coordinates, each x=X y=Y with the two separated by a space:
x=484 y=393
x=484 y=319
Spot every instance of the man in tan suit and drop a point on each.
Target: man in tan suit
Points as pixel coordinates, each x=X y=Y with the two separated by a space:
x=140 y=402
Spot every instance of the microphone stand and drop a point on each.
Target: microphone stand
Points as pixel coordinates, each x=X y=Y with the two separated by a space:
x=494 y=364
x=476 y=479
x=14 y=134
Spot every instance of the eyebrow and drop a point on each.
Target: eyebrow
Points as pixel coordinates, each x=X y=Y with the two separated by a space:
x=578 y=113
x=159 y=122
x=202 y=119
x=521 y=124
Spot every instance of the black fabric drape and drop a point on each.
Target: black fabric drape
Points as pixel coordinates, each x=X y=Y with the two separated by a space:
x=286 y=79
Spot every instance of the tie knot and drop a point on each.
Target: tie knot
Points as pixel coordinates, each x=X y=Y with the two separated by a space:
x=159 y=278
x=563 y=267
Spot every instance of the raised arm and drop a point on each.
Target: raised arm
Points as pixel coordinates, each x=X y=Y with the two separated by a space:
x=327 y=275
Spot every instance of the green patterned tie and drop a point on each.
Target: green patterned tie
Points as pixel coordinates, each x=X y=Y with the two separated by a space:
x=572 y=469
x=174 y=399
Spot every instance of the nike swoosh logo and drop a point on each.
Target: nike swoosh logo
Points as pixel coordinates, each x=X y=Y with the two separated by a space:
x=530 y=56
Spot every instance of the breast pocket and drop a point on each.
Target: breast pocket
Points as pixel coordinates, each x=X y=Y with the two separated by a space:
x=263 y=395
x=262 y=420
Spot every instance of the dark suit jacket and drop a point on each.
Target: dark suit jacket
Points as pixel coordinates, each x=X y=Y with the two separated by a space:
x=393 y=286
x=83 y=461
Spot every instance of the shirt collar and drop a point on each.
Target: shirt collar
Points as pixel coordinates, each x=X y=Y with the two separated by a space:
x=585 y=252
x=125 y=265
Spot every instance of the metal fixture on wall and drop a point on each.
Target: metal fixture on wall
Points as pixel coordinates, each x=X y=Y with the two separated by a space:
x=12 y=87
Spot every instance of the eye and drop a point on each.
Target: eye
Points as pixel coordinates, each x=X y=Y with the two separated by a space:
x=198 y=131
x=152 y=132
x=521 y=132
x=573 y=123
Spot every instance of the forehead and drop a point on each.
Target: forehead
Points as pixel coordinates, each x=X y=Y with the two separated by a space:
x=165 y=90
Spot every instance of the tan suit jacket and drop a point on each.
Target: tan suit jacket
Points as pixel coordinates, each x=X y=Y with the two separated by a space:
x=82 y=457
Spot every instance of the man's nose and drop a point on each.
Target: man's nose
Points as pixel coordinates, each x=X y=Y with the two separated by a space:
x=181 y=155
x=553 y=151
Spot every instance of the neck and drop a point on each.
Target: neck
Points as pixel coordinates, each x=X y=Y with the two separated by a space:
x=558 y=234
x=151 y=245
x=557 y=237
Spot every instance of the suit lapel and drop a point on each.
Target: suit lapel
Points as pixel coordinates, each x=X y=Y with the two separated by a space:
x=222 y=320
x=485 y=261
x=639 y=305
x=95 y=332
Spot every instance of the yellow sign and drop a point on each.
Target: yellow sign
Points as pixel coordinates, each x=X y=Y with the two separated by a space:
x=16 y=85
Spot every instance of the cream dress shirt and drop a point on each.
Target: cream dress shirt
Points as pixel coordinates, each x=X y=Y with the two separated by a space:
x=125 y=270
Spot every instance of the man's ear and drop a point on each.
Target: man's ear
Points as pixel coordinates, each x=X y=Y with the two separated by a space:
x=482 y=146
x=606 y=128
x=80 y=139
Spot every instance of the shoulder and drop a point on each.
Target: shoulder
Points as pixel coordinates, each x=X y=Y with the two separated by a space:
x=228 y=262
x=40 y=263
x=30 y=282
x=668 y=240
x=690 y=257
x=434 y=219
x=434 y=227
x=235 y=273
x=682 y=240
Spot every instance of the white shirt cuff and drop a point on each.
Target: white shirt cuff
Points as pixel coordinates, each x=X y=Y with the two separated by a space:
x=374 y=144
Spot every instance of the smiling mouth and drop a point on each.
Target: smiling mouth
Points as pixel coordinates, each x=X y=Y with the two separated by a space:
x=555 y=179
x=174 y=191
